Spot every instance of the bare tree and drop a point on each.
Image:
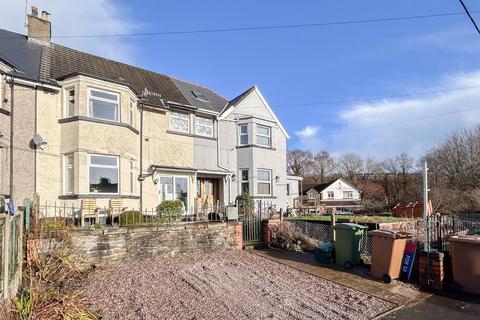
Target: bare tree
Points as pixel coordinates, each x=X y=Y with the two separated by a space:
x=351 y=165
x=322 y=166
x=299 y=162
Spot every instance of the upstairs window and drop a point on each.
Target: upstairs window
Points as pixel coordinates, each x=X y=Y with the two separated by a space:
x=131 y=113
x=204 y=126
x=70 y=103
x=244 y=183
x=264 y=184
x=103 y=174
x=179 y=122
x=243 y=134
x=103 y=105
x=330 y=195
x=263 y=136
x=347 y=195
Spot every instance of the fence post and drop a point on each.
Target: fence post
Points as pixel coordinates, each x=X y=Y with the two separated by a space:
x=5 y=253
x=333 y=226
x=27 y=213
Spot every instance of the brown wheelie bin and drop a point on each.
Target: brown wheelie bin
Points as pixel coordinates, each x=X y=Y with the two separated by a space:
x=465 y=253
x=387 y=253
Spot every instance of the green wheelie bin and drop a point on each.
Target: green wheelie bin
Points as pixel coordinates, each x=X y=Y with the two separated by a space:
x=348 y=244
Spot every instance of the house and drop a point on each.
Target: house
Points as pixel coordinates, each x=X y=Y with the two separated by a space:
x=108 y=131
x=335 y=196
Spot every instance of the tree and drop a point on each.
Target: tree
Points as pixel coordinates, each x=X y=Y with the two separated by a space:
x=299 y=162
x=351 y=165
x=322 y=166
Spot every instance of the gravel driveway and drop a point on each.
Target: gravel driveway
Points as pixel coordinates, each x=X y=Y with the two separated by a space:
x=222 y=285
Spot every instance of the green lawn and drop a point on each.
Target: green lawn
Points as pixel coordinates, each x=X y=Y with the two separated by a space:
x=351 y=218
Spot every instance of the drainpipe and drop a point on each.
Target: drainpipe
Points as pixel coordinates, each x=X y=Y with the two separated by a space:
x=12 y=95
x=141 y=156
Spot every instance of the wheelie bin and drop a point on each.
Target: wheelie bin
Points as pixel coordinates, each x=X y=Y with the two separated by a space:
x=465 y=254
x=348 y=244
x=388 y=247
x=323 y=254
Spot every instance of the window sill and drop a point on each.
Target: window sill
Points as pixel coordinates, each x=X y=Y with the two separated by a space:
x=187 y=134
x=90 y=119
x=97 y=196
x=264 y=197
x=255 y=146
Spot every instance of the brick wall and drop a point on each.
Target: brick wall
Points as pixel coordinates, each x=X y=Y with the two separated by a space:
x=110 y=245
x=437 y=270
x=267 y=227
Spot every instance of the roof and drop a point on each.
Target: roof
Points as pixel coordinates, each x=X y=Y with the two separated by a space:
x=212 y=102
x=317 y=187
x=59 y=62
x=20 y=54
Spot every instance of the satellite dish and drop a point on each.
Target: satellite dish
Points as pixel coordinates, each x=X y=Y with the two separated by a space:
x=38 y=141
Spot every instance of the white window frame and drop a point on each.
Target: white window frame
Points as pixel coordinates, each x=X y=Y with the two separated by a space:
x=264 y=181
x=202 y=125
x=172 y=115
x=332 y=193
x=348 y=192
x=131 y=113
x=67 y=100
x=89 y=164
x=1 y=91
x=242 y=134
x=242 y=181
x=174 y=188
x=104 y=100
x=131 y=173
x=66 y=176
x=268 y=136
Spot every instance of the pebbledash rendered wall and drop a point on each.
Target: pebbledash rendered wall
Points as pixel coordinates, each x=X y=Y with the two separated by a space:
x=113 y=245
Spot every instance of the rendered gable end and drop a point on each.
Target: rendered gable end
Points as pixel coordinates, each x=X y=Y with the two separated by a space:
x=253 y=105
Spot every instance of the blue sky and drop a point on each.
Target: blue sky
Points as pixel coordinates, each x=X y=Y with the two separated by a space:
x=299 y=66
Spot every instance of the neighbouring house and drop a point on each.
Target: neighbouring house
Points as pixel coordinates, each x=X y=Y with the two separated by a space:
x=337 y=196
x=101 y=131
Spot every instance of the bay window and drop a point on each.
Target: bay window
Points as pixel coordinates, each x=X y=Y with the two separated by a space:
x=68 y=173
x=244 y=182
x=243 y=134
x=70 y=103
x=103 y=174
x=263 y=136
x=179 y=122
x=103 y=105
x=204 y=126
x=264 y=182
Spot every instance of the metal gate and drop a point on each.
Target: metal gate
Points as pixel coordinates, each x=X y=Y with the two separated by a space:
x=250 y=215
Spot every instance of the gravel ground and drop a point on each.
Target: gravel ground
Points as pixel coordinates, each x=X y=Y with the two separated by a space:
x=222 y=285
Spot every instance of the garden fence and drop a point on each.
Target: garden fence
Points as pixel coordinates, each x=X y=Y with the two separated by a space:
x=11 y=244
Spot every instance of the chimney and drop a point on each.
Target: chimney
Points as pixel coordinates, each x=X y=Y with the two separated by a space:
x=39 y=28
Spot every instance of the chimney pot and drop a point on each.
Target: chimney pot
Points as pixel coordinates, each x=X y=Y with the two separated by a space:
x=45 y=15
x=34 y=11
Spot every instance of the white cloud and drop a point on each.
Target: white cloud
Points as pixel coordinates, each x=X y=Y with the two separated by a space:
x=307 y=132
x=79 y=17
x=392 y=128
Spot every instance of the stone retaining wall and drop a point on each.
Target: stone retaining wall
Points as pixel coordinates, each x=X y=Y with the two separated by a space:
x=110 y=245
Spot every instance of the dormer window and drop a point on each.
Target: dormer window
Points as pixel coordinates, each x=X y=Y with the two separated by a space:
x=199 y=95
x=103 y=105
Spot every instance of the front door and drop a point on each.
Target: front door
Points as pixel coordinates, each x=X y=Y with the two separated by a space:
x=207 y=194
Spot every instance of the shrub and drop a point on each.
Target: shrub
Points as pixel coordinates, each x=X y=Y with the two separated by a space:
x=130 y=217
x=288 y=236
x=245 y=203
x=170 y=209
